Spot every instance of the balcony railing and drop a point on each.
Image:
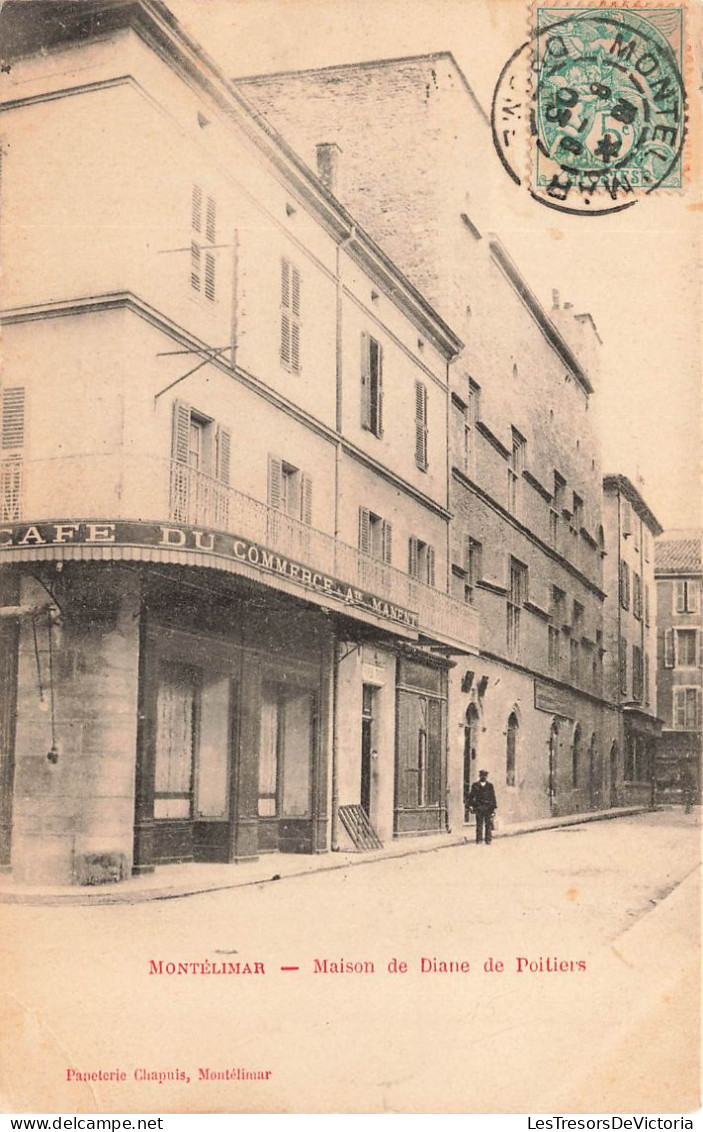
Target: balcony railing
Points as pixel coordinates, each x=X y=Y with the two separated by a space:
x=198 y=499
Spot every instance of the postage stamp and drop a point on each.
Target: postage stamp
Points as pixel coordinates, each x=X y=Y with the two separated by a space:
x=606 y=120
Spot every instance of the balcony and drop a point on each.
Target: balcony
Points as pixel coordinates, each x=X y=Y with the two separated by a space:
x=114 y=487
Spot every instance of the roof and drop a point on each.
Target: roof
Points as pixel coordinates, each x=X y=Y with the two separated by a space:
x=679 y=552
x=626 y=487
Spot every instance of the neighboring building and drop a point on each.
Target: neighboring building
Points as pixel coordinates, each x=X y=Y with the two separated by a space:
x=225 y=552
x=631 y=628
x=413 y=159
x=678 y=571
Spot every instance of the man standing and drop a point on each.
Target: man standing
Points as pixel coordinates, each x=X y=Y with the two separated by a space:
x=482 y=802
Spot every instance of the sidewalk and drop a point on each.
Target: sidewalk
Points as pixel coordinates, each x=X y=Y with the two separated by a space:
x=171 y=881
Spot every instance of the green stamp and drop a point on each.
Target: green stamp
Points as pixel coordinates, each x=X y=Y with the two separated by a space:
x=608 y=116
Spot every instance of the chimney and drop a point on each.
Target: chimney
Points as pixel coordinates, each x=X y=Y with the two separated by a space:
x=329 y=165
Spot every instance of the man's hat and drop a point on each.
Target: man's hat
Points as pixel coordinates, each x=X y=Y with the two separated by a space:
x=483 y=772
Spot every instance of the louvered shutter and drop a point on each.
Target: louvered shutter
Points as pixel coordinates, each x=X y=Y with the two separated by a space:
x=285 y=284
x=365 y=382
x=680 y=596
x=430 y=565
x=295 y=291
x=195 y=261
x=699 y=708
x=209 y=276
x=224 y=449
x=693 y=596
x=306 y=500
x=210 y=220
x=387 y=541
x=668 y=648
x=413 y=557
x=679 y=708
x=364 y=530
x=12 y=428
x=295 y=345
x=420 y=424
x=181 y=430
x=275 y=482
x=197 y=209
x=379 y=405
x=285 y=338
x=699 y=647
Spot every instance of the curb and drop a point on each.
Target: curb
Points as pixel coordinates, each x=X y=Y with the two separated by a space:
x=142 y=896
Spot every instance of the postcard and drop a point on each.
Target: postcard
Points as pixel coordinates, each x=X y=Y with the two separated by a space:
x=351 y=584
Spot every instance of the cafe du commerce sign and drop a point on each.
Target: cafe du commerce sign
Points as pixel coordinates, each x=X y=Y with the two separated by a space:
x=195 y=542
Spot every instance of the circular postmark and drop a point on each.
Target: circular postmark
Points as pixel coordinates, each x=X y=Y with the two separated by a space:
x=604 y=120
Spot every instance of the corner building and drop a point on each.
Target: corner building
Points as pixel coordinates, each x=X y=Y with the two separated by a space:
x=416 y=164
x=225 y=550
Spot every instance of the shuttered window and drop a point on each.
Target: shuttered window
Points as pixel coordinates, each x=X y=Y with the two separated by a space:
x=371 y=385
x=624 y=585
x=687 y=709
x=12 y=435
x=289 y=490
x=202 y=261
x=686 y=596
x=375 y=535
x=421 y=561
x=421 y=425
x=668 y=648
x=200 y=468
x=291 y=305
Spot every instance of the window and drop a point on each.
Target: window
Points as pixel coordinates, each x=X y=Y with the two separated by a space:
x=626 y=514
x=687 y=709
x=421 y=425
x=517 y=594
x=12 y=428
x=624 y=584
x=577 y=620
x=576 y=757
x=375 y=535
x=574 y=660
x=290 y=316
x=637 y=673
x=202 y=255
x=556 y=508
x=686 y=648
x=289 y=490
x=516 y=465
x=474 y=568
x=511 y=750
x=686 y=596
x=287 y=742
x=421 y=559
x=177 y=711
x=371 y=385
x=467 y=414
x=622 y=658
x=554 y=657
x=554 y=630
x=636 y=595
x=200 y=468
x=577 y=514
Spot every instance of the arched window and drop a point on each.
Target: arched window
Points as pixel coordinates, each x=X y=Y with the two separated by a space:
x=576 y=756
x=510 y=749
x=470 y=745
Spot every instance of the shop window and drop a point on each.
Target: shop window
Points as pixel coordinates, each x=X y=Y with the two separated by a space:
x=286 y=749
x=200 y=468
x=290 y=315
x=177 y=707
x=421 y=561
x=421 y=425
x=12 y=430
x=371 y=385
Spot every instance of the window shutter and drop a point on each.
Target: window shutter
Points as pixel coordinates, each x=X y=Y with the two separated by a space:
x=285 y=284
x=420 y=424
x=387 y=541
x=295 y=291
x=306 y=500
x=692 y=597
x=181 y=430
x=197 y=208
x=646 y=604
x=275 y=482
x=679 y=708
x=668 y=648
x=209 y=276
x=295 y=346
x=680 y=597
x=285 y=338
x=12 y=427
x=364 y=531
x=430 y=565
x=224 y=447
x=699 y=708
x=365 y=382
x=379 y=412
x=413 y=560
x=195 y=266
x=699 y=647
x=210 y=220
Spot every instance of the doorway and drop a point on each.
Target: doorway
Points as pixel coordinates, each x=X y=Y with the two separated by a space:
x=470 y=753
x=368 y=704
